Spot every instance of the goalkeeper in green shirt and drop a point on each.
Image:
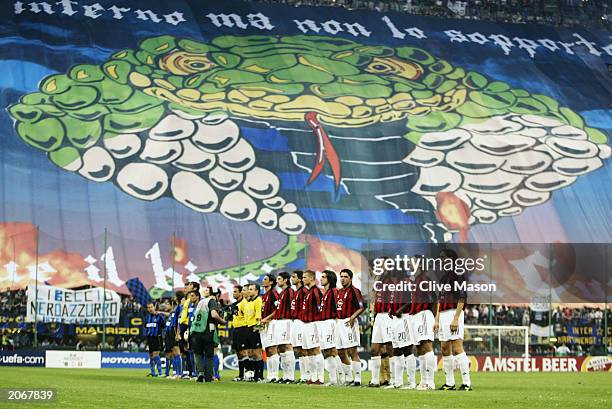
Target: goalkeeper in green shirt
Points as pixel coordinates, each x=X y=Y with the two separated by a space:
x=203 y=335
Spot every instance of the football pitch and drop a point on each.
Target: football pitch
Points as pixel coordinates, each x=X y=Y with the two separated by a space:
x=128 y=388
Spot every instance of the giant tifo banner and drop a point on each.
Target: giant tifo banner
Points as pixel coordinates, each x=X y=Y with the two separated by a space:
x=204 y=140
x=55 y=304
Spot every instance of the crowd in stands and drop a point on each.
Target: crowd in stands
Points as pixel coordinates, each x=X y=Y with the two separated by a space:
x=561 y=13
x=16 y=333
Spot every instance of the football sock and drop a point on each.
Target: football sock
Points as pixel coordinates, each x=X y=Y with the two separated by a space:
x=410 y=363
x=191 y=367
x=273 y=362
x=304 y=368
x=430 y=367
x=376 y=362
x=216 y=366
x=399 y=371
x=241 y=362
x=331 y=365
x=168 y=365
x=447 y=365
x=152 y=365
x=464 y=367
x=422 y=369
x=348 y=372
x=259 y=369
x=356 y=366
x=177 y=365
x=312 y=368
x=159 y=365
x=289 y=370
x=340 y=369
x=320 y=362
x=392 y=360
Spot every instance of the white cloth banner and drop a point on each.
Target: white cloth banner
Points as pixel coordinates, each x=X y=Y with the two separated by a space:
x=91 y=306
x=538 y=331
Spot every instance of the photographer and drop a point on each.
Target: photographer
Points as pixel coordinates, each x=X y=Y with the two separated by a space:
x=203 y=335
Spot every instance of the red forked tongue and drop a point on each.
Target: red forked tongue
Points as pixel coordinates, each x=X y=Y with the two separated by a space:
x=325 y=151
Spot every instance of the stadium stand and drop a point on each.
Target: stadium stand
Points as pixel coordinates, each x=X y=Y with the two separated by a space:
x=559 y=13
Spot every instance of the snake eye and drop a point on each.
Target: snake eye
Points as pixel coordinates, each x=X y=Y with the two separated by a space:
x=184 y=63
x=392 y=66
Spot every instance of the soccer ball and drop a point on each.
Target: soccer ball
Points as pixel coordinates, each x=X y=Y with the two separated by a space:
x=249 y=375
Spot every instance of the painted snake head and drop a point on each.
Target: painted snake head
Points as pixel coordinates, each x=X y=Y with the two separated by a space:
x=160 y=120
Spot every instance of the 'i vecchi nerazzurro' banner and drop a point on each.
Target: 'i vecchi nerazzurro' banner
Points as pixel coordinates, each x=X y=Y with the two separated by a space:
x=180 y=140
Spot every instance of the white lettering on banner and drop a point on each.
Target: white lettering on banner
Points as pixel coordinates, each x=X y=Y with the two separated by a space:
x=192 y=276
x=67 y=7
x=93 y=272
x=111 y=267
x=11 y=269
x=41 y=272
x=261 y=21
x=456 y=35
x=332 y=27
x=161 y=274
x=94 y=11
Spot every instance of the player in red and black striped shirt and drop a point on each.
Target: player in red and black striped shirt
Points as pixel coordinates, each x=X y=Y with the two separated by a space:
x=422 y=325
x=268 y=307
x=449 y=326
x=282 y=327
x=310 y=342
x=382 y=331
x=297 y=328
x=327 y=325
x=349 y=307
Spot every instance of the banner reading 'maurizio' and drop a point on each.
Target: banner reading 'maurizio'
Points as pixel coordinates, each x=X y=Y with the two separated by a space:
x=91 y=306
x=181 y=140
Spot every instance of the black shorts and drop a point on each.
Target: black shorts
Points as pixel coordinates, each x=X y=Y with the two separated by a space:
x=252 y=338
x=170 y=341
x=239 y=340
x=154 y=343
x=182 y=343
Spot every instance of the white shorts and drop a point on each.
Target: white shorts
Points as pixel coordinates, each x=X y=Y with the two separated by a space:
x=282 y=332
x=383 y=329
x=347 y=337
x=402 y=332
x=310 y=336
x=422 y=326
x=267 y=335
x=444 y=333
x=327 y=333
x=297 y=328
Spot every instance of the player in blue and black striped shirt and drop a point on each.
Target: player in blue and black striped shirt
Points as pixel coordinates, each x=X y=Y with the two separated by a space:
x=154 y=325
x=173 y=353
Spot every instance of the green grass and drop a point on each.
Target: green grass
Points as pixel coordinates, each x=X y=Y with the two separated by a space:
x=122 y=388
